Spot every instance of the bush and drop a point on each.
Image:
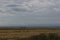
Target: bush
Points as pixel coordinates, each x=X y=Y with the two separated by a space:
x=53 y=36
x=3 y=39
x=50 y=36
x=39 y=37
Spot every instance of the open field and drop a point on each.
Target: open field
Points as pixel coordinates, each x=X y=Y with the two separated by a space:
x=24 y=32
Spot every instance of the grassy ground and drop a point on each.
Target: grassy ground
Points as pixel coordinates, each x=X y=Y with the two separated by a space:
x=25 y=33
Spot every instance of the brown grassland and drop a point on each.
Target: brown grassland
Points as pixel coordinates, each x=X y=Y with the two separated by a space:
x=25 y=32
x=22 y=33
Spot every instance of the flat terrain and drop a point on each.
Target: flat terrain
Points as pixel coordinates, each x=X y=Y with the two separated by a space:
x=25 y=32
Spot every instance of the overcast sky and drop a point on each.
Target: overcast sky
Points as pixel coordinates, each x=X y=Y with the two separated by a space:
x=24 y=12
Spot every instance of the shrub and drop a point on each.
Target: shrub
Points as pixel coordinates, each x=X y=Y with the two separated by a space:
x=53 y=36
x=39 y=37
x=3 y=39
x=50 y=36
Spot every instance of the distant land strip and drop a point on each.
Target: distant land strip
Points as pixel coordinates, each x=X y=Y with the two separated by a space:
x=27 y=28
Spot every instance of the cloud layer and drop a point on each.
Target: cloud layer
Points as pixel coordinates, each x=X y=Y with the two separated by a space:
x=30 y=7
x=22 y=10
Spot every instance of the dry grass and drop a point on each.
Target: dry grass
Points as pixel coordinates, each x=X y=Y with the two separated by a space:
x=24 y=33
